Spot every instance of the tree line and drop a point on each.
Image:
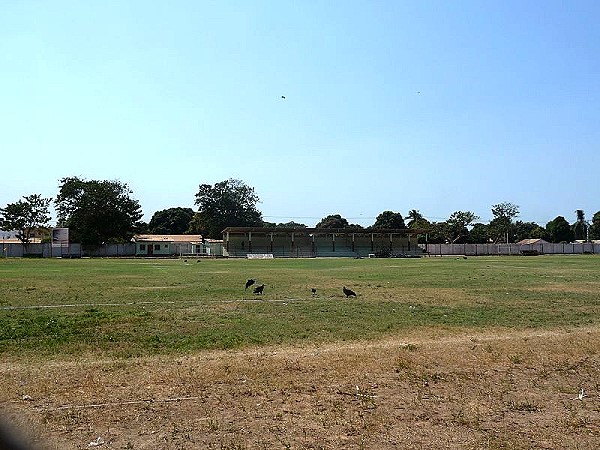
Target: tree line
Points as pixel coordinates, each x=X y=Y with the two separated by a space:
x=101 y=212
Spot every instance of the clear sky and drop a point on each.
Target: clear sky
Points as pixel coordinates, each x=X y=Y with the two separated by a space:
x=389 y=105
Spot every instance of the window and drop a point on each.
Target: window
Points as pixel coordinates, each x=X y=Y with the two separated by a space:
x=157 y=247
x=142 y=246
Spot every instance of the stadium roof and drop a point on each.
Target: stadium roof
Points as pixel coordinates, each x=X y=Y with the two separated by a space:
x=167 y=238
x=324 y=230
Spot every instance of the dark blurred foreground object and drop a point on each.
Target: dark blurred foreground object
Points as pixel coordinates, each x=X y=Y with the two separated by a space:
x=13 y=440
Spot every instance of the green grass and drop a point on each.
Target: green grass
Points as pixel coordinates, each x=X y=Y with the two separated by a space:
x=136 y=307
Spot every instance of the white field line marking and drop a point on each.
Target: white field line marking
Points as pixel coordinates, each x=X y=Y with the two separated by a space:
x=90 y=305
x=80 y=305
x=113 y=404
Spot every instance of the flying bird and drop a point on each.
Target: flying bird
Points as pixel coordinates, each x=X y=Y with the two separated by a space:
x=249 y=283
x=259 y=289
x=348 y=292
x=283 y=97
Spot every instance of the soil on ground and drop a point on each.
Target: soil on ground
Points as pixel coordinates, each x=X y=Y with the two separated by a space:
x=504 y=389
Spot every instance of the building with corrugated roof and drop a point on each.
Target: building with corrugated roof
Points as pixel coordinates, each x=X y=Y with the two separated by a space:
x=165 y=244
x=537 y=241
x=313 y=242
x=176 y=245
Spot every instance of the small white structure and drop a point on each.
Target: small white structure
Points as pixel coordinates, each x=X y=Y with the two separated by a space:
x=176 y=245
x=166 y=244
x=211 y=247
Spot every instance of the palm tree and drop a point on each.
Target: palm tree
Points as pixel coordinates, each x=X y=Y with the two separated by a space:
x=580 y=226
x=413 y=216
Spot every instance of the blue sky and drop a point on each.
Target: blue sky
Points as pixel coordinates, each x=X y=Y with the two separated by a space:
x=389 y=105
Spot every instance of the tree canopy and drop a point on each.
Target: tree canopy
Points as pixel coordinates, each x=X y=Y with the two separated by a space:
x=171 y=221
x=457 y=225
x=291 y=224
x=417 y=221
x=580 y=227
x=528 y=230
x=595 y=226
x=438 y=233
x=337 y=221
x=499 y=228
x=97 y=212
x=479 y=234
x=229 y=203
x=26 y=216
x=414 y=216
x=389 y=219
x=100 y=211
x=332 y=221
x=559 y=230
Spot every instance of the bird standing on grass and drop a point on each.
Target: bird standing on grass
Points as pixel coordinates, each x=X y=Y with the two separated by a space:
x=313 y=290
x=249 y=283
x=259 y=289
x=348 y=292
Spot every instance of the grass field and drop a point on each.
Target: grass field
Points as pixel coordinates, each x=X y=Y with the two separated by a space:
x=433 y=352
x=140 y=307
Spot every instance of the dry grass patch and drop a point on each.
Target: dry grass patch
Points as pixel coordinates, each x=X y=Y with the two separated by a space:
x=572 y=288
x=498 y=389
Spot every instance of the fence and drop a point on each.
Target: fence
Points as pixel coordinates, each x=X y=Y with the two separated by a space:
x=65 y=251
x=511 y=249
x=116 y=250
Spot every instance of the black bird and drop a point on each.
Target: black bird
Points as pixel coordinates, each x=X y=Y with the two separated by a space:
x=249 y=283
x=313 y=290
x=283 y=97
x=259 y=289
x=349 y=292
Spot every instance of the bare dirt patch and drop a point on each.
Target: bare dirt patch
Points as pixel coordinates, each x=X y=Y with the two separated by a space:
x=498 y=389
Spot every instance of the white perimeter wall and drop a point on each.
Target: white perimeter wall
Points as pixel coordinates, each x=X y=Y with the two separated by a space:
x=509 y=249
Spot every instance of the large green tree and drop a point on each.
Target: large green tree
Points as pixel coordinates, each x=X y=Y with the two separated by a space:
x=97 y=211
x=389 y=219
x=414 y=216
x=540 y=232
x=229 y=203
x=291 y=224
x=416 y=221
x=457 y=225
x=595 y=226
x=337 y=221
x=500 y=227
x=171 y=221
x=438 y=233
x=559 y=230
x=26 y=216
x=333 y=221
x=479 y=234
x=526 y=230
x=580 y=227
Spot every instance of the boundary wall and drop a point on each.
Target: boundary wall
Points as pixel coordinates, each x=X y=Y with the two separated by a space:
x=510 y=249
x=65 y=251
x=128 y=250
